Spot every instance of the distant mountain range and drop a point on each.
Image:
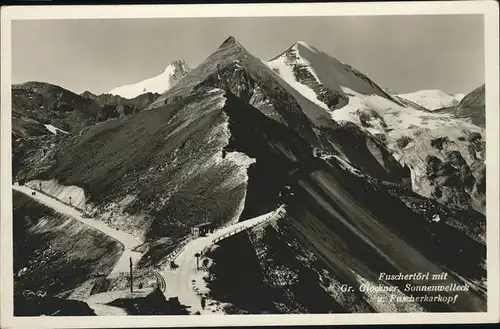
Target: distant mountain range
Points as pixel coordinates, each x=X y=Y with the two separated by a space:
x=370 y=182
x=433 y=99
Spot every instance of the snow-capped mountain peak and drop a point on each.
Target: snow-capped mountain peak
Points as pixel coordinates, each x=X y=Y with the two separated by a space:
x=299 y=44
x=231 y=42
x=348 y=95
x=433 y=99
x=174 y=72
x=177 y=66
x=320 y=77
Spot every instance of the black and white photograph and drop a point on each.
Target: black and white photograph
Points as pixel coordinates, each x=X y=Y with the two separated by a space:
x=255 y=164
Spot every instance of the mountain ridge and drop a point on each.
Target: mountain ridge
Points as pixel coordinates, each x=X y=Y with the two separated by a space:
x=233 y=139
x=158 y=84
x=408 y=131
x=231 y=67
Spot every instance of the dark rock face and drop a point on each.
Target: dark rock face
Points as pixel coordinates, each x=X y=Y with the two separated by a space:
x=456 y=183
x=403 y=141
x=471 y=107
x=369 y=117
x=438 y=143
x=37 y=103
x=367 y=154
x=452 y=179
x=50 y=104
x=50 y=306
x=58 y=98
x=262 y=276
x=324 y=241
x=23 y=125
x=107 y=112
x=152 y=304
x=477 y=151
x=124 y=106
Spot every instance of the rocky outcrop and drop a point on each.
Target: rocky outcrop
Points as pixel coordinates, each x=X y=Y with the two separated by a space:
x=123 y=106
x=36 y=104
x=50 y=104
x=453 y=181
x=472 y=107
x=151 y=304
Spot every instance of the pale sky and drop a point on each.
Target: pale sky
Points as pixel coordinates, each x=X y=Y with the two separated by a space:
x=401 y=53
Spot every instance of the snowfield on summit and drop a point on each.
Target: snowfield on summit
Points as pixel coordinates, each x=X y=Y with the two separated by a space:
x=247 y=186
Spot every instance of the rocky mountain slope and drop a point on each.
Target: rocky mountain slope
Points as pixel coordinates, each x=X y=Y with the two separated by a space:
x=40 y=108
x=332 y=237
x=158 y=84
x=471 y=108
x=233 y=68
x=45 y=243
x=42 y=103
x=433 y=99
x=140 y=102
x=113 y=106
x=163 y=155
x=409 y=133
x=237 y=136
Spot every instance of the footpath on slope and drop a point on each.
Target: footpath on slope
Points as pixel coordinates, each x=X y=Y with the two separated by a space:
x=183 y=281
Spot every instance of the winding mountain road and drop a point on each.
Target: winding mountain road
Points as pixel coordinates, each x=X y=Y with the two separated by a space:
x=181 y=282
x=128 y=241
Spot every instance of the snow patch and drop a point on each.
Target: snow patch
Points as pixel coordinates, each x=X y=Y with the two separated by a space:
x=346 y=165
x=240 y=159
x=214 y=90
x=54 y=130
x=436 y=218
